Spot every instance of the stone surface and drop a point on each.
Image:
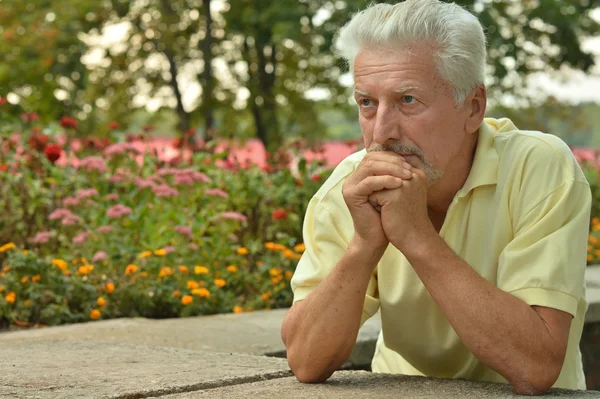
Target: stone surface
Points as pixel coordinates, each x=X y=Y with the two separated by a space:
x=80 y=369
x=256 y=333
x=362 y=384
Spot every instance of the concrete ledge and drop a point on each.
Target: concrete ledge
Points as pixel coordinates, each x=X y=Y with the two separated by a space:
x=361 y=384
x=78 y=369
x=592 y=280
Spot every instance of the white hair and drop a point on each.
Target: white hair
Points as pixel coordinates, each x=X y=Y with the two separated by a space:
x=460 y=44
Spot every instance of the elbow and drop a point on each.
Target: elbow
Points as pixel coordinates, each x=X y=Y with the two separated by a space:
x=538 y=380
x=309 y=371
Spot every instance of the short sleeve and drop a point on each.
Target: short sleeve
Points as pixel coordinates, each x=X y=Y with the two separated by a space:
x=544 y=264
x=326 y=239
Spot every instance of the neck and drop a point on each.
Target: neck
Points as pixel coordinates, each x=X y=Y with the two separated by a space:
x=441 y=194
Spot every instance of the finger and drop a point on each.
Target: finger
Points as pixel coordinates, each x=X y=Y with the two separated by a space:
x=375 y=167
x=370 y=184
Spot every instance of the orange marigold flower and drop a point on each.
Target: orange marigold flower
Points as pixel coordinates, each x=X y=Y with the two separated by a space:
x=2 y=288
x=300 y=248
x=160 y=252
x=61 y=264
x=280 y=247
x=28 y=303
x=165 y=271
x=83 y=270
x=144 y=274
x=597 y=253
x=191 y=285
x=36 y=278
x=242 y=251
x=220 y=282
x=176 y=293
x=593 y=240
x=274 y=272
x=590 y=258
x=270 y=245
x=276 y=280
x=130 y=269
x=232 y=268
x=145 y=254
x=200 y=270
x=95 y=314
x=237 y=309
x=24 y=280
x=260 y=263
x=589 y=248
x=249 y=308
x=203 y=292
x=265 y=297
x=101 y=302
x=110 y=288
x=66 y=272
x=6 y=269
x=7 y=246
x=10 y=297
x=183 y=269
x=288 y=254
x=288 y=274
x=186 y=300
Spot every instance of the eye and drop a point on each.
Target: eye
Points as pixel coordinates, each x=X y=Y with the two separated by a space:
x=409 y=99
x=365 y=102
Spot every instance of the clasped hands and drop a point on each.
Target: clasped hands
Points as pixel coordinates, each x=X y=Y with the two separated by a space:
x=387 y=198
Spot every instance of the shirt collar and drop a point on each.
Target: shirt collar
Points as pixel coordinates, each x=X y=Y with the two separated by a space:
x=484 y=170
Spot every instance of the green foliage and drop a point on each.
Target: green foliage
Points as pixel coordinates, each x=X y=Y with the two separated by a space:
x=276 y=50
x=173 y=218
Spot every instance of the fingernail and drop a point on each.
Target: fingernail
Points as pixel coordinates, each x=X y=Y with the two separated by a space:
x=407 y=165
x=398 y=180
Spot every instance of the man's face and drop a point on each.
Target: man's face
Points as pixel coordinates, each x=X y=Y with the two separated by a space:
x=405 y=107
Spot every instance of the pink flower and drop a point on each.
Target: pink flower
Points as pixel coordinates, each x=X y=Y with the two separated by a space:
x=184 y=180
x=233 y=216
x=80 y=238
x=165 y=191
x=216 y=192
x=118 y=211
x=60 y=213
x=70 y=201
x=69 y=220
x=86 y=193
x=99 y=256
x=120 y=148
x=93 y=164
x=186 y=231
x=104 y=229
x=143 y=183
x=169 y=249
x=42 y=237
x=111 y=197
x=115 y=179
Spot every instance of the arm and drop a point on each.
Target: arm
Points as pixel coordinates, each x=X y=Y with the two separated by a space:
x=320 y=331
x=525 y=344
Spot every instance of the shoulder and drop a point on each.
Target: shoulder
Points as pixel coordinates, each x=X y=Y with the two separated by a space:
x=535 y=154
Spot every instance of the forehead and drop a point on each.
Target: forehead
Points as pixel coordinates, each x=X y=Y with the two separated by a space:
x=376 y=69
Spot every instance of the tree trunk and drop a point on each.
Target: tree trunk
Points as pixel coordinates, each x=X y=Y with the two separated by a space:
x=184 y=117
x=207 y=75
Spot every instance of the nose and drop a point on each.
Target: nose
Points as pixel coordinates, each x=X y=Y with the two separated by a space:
x=386 y=126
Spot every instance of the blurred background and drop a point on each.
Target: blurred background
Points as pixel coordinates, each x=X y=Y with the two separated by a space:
x=264 y=70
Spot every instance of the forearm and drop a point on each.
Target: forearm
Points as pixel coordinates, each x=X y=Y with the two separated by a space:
x=320 y=331
x=501 y=330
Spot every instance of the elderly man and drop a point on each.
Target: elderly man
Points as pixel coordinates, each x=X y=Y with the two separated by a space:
x=468 y=234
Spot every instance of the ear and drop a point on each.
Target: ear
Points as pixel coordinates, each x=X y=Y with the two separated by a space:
x=475 y=106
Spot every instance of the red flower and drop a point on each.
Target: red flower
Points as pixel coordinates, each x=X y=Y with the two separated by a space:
x=177 y=143
x=315 y=177
x=38 y=141
x=68 y=123
x=52 y=152
x=2 y=100
x=113 y=125
x=27 y=118
x=279 y=214
x=3 y=167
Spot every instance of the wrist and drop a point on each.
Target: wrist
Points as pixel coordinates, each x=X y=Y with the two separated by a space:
x=365 y=249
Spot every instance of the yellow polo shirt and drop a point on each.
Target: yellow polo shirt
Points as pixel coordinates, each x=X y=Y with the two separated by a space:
x=520 y=220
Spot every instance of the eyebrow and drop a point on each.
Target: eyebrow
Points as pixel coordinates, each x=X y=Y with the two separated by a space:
x=401 y=90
